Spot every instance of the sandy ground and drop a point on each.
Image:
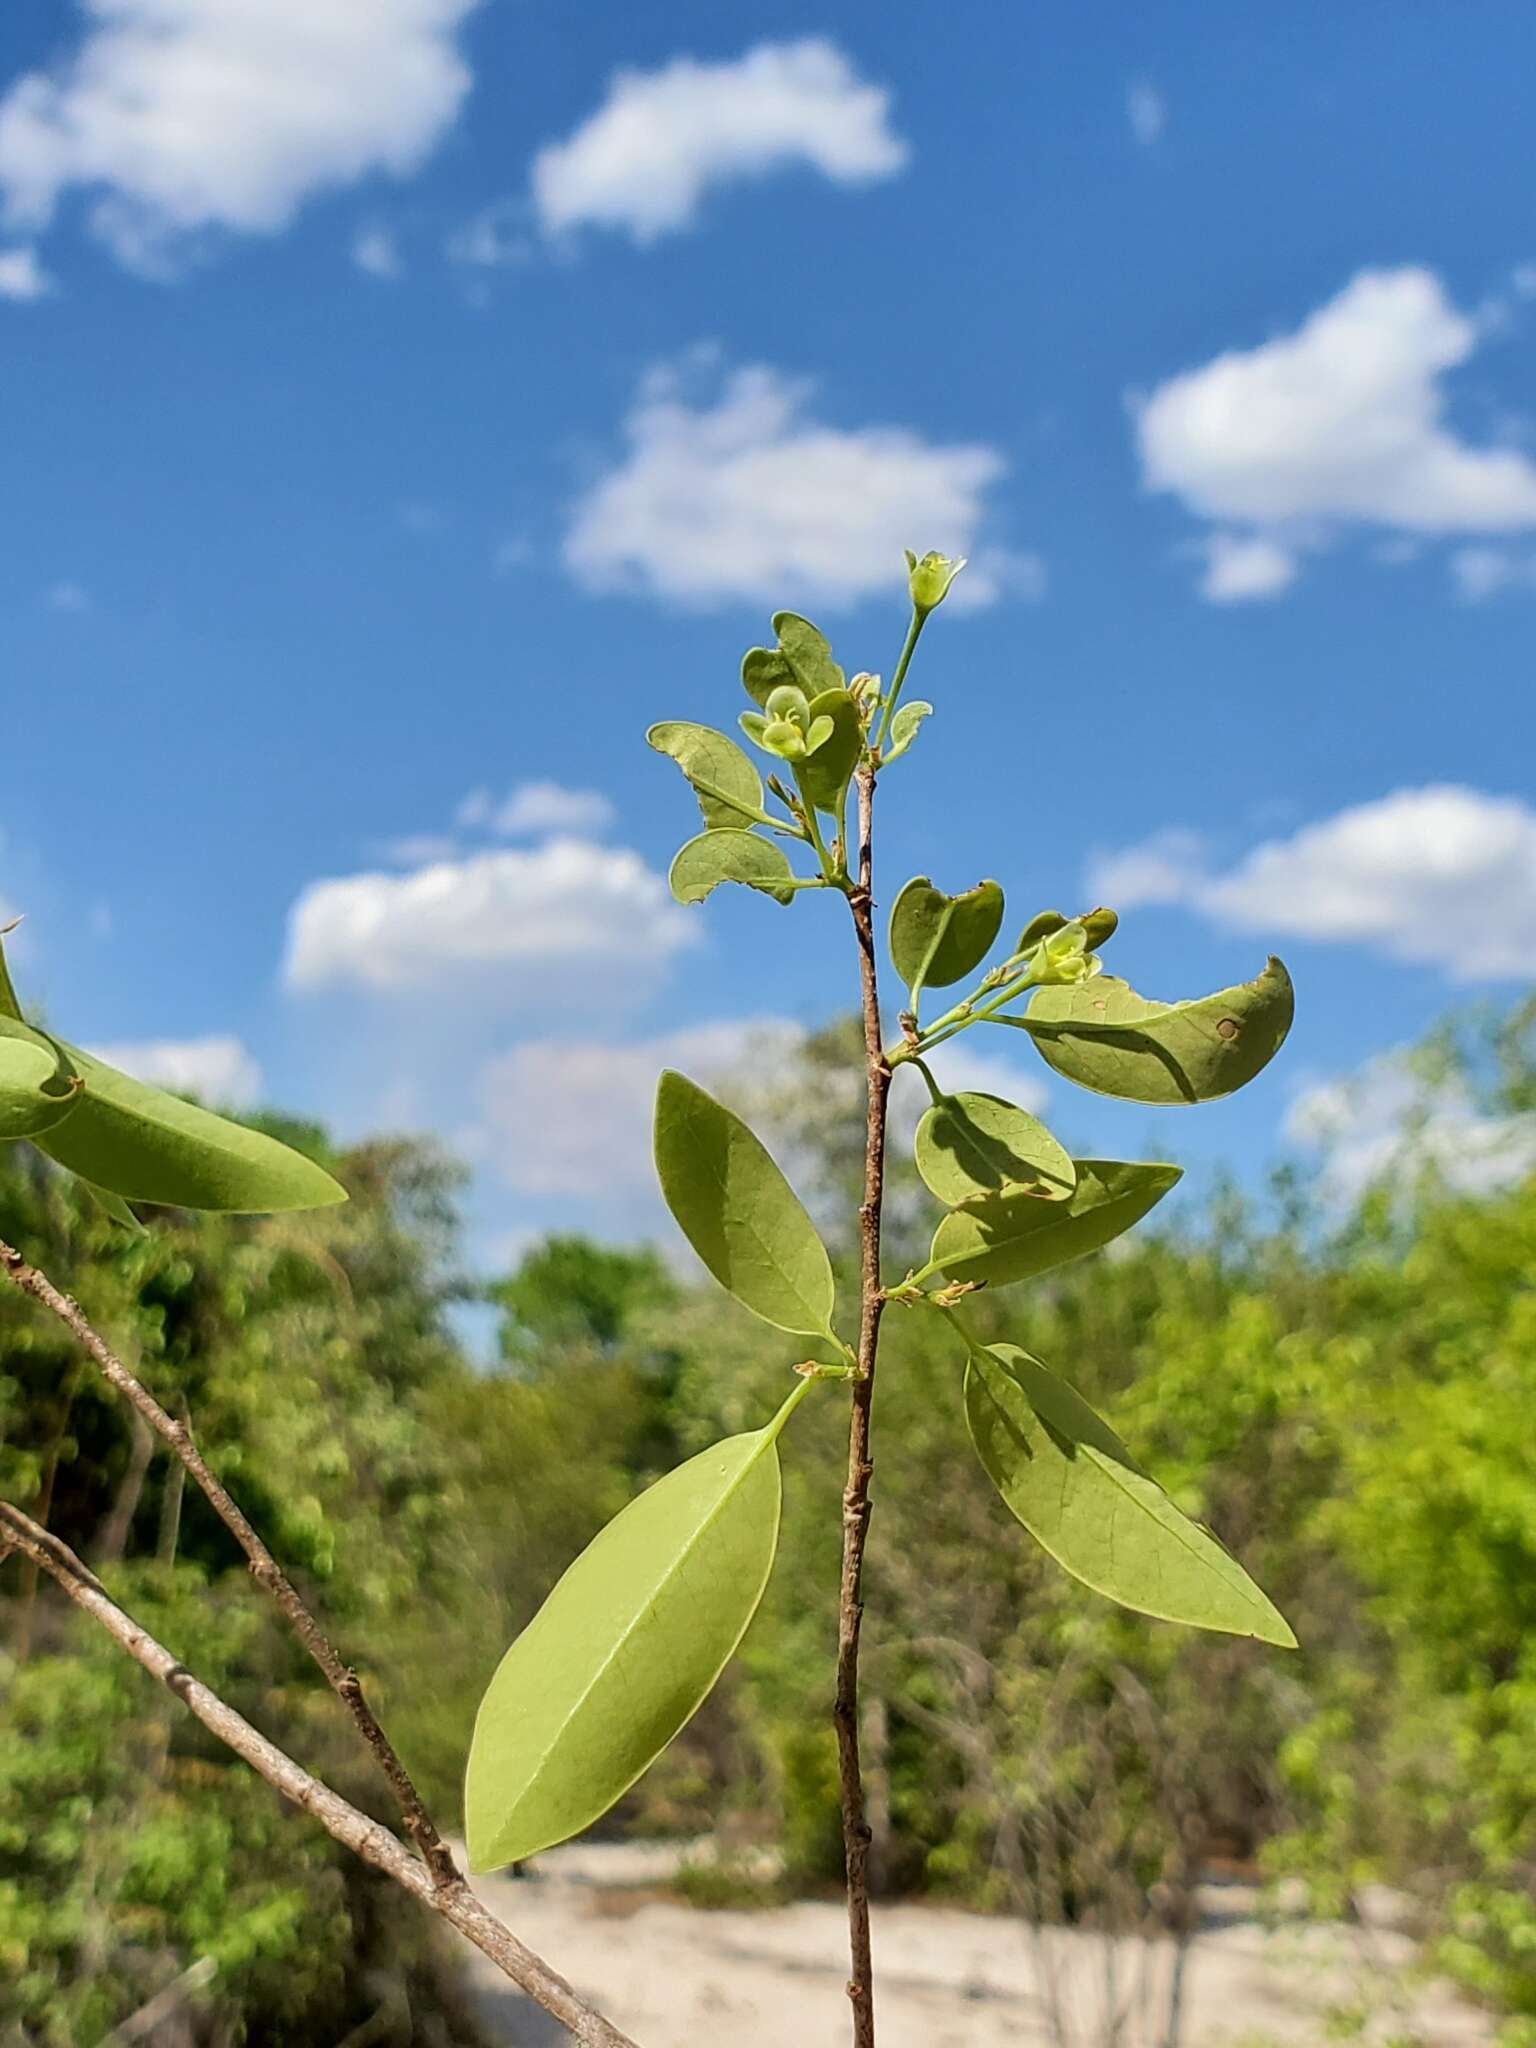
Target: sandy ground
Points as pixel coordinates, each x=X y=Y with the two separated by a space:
x=676 y=1977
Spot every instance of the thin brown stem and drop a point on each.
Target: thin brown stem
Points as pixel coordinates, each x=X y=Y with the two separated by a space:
x=850 y=1610
x=177 y=1437
x=453 y=1901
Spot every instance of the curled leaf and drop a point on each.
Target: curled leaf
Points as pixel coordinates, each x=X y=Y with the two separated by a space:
x=1064 y=1474
x=1104 y=1036
x=39 y=1083
x=730 y=856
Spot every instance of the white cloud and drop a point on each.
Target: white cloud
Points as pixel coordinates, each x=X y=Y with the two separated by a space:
x=1443 y=875
x=1240 y=566
x=751 y=497
x=662 y=139
x=375 y=251
x=567 y=907
x=569 y=1117
x=1392 y=1119
x=1482 y=572
x=219 y=1069
x=1146 y=110
x=1340 y=423
x=538 y=807
x=186 y=115
x=22 y=276
x=67 y=596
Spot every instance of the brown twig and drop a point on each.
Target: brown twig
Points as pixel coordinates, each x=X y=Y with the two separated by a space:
x=850 y=1608
x=342 y=1679
x=453 y=1901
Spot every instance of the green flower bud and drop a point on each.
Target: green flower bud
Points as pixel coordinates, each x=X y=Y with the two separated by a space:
x=930 y=578
x=1100 y=925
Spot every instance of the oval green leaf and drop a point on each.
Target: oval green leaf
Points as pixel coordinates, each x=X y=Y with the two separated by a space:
x=623 y=1651
x=1104 y=1036
x=138 y=1142
x=729 y=856
x=1013 y=1236
x=970 y=1145
x=904 y=726
x=39 y=1084
x=1064 y=1474
x=726 y=784
x=806 y=650
x=738 y=1211
x=825 y=774
x=935 y=939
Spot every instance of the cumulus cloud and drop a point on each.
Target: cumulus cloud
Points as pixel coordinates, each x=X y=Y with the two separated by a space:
x=1341 y=423
x=1444 y=876
x=1393 y=1119
x=22 y=276
x=752 y=497
x=662 y=139
x=565 y=909
x=220 y=1069
x=186 y=115
x=1146 y=110
x=533 y=808
x=567 y=1117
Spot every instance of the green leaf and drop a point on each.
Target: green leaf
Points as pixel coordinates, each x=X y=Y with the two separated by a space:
x=138 y=1142
x=728 y=856
x=970 y=1145
x=1013 y=1236
x=113 y=1206
x=825 y=773
x=724 y=781
x=935 y=939
x=805 y=648
x=39 y=1084
x=1040 y=926
x=763 y=669
x=623 y=1651
x=738 y=1211
x=1104 y=1036
x=905 y=724
x=1064 y=1474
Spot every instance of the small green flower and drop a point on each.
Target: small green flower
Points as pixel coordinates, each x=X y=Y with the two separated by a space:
x=788 y=728
x=1063 y=958
x=930 y=578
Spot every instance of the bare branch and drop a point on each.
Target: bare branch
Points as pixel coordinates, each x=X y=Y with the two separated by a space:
x=850 y=1609
x=344 y=1681
x=452 y=1901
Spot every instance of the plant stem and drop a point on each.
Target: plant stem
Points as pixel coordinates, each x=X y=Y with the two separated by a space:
x=850 y=1612
x=903 y=662
x=176 y=1436
x=455 y=1902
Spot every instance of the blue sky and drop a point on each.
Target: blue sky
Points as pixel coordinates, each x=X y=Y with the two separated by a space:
x=407 y=402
